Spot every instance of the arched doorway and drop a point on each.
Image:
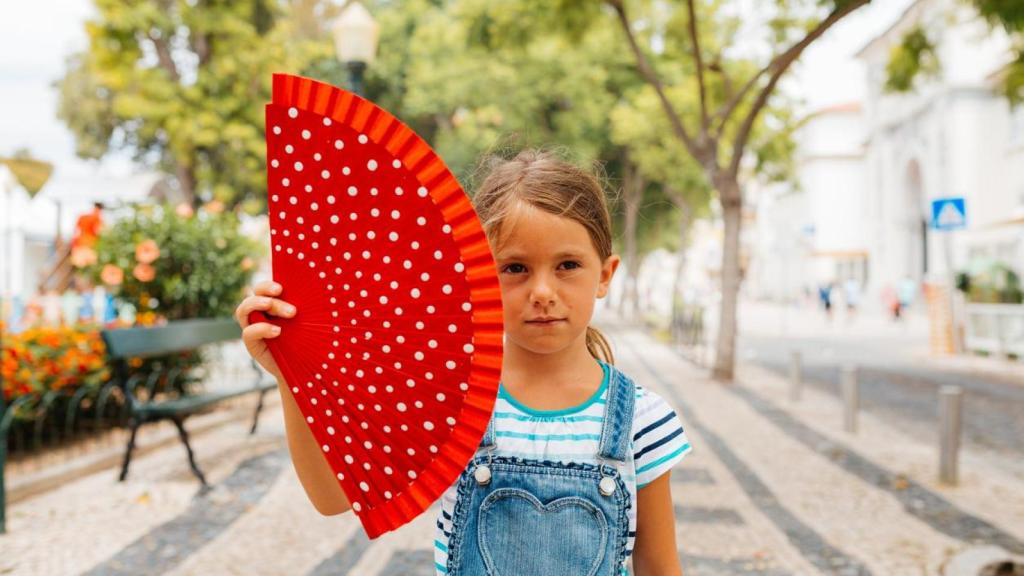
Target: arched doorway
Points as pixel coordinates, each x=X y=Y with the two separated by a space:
x=915 y=225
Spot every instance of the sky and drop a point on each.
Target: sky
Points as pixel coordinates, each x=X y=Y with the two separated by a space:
x=37 y=36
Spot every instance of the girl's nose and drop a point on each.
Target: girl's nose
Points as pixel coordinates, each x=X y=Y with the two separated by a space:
x=542 y=291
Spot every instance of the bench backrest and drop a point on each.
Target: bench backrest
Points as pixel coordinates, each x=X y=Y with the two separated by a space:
x=175 y=336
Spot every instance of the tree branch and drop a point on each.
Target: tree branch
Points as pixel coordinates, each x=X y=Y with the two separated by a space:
x=163 y=54
x=695 y=47
x=777 y=68
x=649 y=74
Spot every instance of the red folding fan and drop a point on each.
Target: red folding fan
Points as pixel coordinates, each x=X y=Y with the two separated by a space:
x=395 y=353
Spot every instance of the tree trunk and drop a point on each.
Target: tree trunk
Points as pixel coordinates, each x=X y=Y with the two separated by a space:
x=684 y=227
x=187 y=181
x=632 y=191
x=732 y=213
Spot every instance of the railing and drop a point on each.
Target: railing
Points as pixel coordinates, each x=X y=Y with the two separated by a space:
x=996 y=329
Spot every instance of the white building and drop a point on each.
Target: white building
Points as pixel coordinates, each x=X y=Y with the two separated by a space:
x=867 y=173
x=953 y=136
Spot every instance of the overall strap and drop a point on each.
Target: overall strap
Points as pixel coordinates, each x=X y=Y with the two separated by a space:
x=488 y=440
x=618 y=419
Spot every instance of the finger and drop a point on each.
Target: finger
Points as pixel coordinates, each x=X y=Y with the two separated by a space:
x=272 y=306
x=260 y=331
x=267 y=288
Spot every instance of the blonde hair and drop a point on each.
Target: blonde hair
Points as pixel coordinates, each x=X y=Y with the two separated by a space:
x=543 y=180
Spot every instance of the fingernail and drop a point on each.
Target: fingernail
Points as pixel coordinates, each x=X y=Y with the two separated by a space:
x=276 y=287
x=289 y=309
x=276 y=329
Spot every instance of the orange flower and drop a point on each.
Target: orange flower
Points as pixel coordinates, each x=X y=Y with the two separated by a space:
x=144 y=273
x=147 y=251
x=112 y=275
x=214 y=207
x=247 y=263
x=83 y=256
x=184 y=210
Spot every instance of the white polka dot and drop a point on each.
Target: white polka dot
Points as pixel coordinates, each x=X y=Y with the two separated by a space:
x=466 y=306
x=289 y=149
x=327 y=121
x=387 y=494
x=440 y=397
x=306 y=134
x=346 y=170
x=275 y=163
x=277 y=129
x=450 y=364
x=387 y=470
x=317 y=156
x=325 y=446
x=450 y=421
x=330 y=430
x=341 y=476
x=422 y=192
x=459 y=266
x=447 y=288
x=432 y=343
x=452 y=328
x=401 y=407
x=352 y=191
x=398 y=190
x=325 y=174
x=395 y=214
x=468 y=348
x=412 y=474
x=285 y=182
x=371 y=165
x=356 y=506
x=363 y=139
x=298 y=166
x=396 y=163
x=428 y=425
x=338 y=144
x=437 y=254
x=293 y=112
x=421 y=220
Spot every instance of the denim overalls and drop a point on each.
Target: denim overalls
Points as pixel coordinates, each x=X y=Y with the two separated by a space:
x=524 y=517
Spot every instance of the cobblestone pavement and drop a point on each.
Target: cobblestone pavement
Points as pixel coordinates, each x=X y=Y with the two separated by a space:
x=772 y=488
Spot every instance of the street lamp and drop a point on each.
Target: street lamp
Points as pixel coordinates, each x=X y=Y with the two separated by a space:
x=355 y=40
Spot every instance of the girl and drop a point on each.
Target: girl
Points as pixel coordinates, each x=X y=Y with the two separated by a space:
x=572 y=475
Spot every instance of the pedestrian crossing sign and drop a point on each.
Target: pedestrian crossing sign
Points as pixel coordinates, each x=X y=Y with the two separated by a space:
x=949 y=214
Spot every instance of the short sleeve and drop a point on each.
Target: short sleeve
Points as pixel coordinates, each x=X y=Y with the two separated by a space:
x=659 y=441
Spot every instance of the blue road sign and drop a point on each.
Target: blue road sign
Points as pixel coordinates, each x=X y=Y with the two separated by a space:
x=949 y=214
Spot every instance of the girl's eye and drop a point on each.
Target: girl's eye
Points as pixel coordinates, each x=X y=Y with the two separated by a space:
x=515 y=268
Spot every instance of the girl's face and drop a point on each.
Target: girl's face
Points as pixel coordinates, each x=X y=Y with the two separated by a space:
x=550 y=275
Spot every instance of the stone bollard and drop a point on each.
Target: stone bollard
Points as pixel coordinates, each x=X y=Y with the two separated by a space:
x=795 y=376
x=851 y=398
x=950 y=412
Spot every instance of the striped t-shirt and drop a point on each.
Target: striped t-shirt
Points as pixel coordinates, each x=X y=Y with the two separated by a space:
x=573 y=435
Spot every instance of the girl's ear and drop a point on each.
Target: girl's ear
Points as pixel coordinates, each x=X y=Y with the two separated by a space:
x=611 y=264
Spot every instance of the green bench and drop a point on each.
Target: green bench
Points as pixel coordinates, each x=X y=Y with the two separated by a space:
x=173 y=404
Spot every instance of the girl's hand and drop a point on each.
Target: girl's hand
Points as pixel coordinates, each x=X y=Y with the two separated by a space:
x=254 y=334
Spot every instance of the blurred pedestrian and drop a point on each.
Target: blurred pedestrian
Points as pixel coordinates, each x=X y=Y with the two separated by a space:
x=825 y=296
x=851 y=294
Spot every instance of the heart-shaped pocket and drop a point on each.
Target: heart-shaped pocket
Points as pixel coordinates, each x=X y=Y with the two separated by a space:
x=520 y=536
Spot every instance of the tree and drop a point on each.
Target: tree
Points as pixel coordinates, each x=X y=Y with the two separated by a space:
x=915 y=55
x=181 y=87
x=728 y=104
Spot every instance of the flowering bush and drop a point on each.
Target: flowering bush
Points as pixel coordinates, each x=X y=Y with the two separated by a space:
x=42 y=359
x=175 y=263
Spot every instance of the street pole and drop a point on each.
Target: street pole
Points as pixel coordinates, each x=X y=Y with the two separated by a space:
x=356 y=69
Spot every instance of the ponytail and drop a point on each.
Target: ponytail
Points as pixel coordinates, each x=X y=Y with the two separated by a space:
x=598 y=346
